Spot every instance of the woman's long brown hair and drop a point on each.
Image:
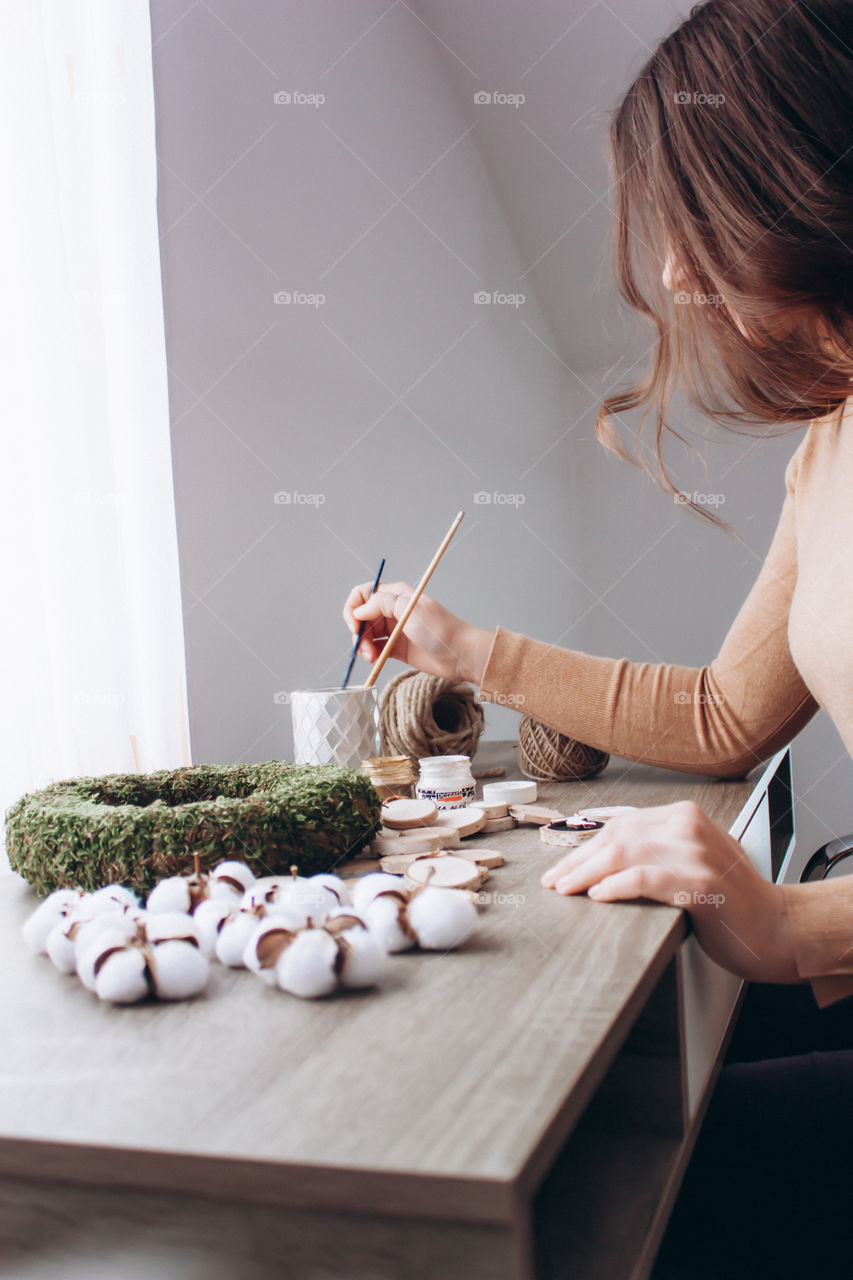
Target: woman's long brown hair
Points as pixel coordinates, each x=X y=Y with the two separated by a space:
x=733 y=156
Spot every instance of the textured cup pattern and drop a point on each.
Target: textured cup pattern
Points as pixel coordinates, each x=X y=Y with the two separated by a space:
x=334 y=726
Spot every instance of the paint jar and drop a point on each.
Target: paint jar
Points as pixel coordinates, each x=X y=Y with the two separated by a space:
x=446 y=780
x=391 y=775
x=335 y=726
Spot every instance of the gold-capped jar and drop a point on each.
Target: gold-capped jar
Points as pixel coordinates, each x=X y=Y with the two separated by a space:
x=391 y=775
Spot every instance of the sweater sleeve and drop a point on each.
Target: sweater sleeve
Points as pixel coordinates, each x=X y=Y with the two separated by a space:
x=821 y=917
x=721 y=719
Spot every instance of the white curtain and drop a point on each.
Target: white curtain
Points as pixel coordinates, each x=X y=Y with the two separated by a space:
x=91 y=642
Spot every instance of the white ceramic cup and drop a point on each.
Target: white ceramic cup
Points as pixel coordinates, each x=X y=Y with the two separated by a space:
x=335 y=726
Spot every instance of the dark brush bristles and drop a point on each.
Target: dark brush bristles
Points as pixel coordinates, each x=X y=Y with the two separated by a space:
x=135 y=829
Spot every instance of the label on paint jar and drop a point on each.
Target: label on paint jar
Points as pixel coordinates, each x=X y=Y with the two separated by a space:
x=456 y=799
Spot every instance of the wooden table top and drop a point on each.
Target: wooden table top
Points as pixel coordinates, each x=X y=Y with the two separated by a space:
x=445 y=1094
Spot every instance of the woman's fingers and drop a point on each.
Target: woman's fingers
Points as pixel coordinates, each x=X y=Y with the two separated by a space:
x=604 y=862
x=356 y=597
x=581 y=854
x=607 y=853
x=635 y=882
x=362 y=605
x=550 y=877
x=388 y=602
x=641 y=831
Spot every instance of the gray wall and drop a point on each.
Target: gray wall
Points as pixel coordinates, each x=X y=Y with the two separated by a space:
x=384 y=408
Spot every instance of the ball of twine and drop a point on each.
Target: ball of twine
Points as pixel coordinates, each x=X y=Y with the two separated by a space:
x=549 y=756
x=423 y=715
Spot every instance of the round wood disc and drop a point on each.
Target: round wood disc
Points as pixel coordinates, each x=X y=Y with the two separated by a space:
x=489 y=858
x=445 y=871
x=601 y=815
x=449 y=836
x=493 y=808
x=466 y=820
x=416 y=841
x=537 y=814
x=499 y=824
x=568 y=839
x=404 y=814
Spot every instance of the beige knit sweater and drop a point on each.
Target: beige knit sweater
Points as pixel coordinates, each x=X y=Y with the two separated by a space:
x=788 y=652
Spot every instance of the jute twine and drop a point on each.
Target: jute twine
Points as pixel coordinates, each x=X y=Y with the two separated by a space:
x=422 y=715
x=548 y=756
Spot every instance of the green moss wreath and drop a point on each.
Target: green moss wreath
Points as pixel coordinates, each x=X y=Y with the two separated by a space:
x=135 y=828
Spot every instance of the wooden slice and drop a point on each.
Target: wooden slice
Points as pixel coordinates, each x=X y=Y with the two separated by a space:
x=498 y=824
x=601 y=815
x=424 y=840
x=493 y=808
x=398 y=863
x=466 y=820
x=446 y=871
x=538 y=814
x=561 y=831
x=403 y=814
x=449 y=836
x=489 y=858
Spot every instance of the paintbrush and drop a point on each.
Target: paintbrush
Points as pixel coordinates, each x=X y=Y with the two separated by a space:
x=360 y=635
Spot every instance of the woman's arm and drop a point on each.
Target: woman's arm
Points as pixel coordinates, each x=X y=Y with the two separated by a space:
x=720 y=719
x=821 y=917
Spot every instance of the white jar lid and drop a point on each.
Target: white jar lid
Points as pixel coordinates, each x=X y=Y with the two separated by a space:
x=428 y=760
x=509 y=792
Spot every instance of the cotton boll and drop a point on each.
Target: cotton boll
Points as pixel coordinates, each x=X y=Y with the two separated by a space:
x=313 y=896
x=171 y=894
x=367 y=887
x=265 y=890
x=441 y=918
x=235 y=876
x=382 y=917
x=168 y=926
x=179 y=969
x=207 y=918
x=127 y=923
x=60 y=946
x=114 y=895
x=224 y=891
x=306 y=967
x=334 y=885
x=365 y=958
x=260 y=957
x=95 y=941
x=121 y=979
x=232 y=938
x=55 y=907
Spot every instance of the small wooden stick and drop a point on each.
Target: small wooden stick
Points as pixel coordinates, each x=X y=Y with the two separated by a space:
x=416 y=595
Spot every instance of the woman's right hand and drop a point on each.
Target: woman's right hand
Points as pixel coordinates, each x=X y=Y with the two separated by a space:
x=433 y=639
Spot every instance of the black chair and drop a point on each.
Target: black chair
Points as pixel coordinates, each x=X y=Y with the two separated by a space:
x=824 y=861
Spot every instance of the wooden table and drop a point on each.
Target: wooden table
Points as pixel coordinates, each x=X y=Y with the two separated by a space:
x=523 y=1107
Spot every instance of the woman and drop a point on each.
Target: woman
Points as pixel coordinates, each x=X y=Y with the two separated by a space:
x=733 y=170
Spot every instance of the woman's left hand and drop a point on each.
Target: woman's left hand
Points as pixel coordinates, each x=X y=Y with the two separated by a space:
x=674 y=853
